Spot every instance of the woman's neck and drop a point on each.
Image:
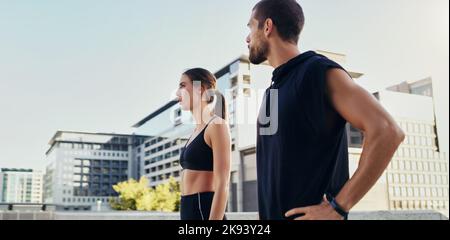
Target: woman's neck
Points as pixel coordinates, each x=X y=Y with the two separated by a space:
x=202 y=115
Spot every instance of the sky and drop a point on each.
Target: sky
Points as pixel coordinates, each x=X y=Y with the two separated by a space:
x=101 y=66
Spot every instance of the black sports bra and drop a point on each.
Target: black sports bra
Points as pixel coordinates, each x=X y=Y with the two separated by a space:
x=197 y=155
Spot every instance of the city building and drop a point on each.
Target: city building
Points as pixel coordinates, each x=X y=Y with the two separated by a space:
x=417 y=177
x=83 y=167
x=20 y=186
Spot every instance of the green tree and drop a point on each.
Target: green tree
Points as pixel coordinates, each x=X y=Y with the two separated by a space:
x=134 y=195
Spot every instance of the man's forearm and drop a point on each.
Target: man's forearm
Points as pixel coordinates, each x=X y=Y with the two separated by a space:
x=378 y=150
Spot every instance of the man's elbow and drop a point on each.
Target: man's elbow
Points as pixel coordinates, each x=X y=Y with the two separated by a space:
x=393 y=133
x=398 y=135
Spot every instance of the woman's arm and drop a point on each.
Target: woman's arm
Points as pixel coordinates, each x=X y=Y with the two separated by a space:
x=221 y=146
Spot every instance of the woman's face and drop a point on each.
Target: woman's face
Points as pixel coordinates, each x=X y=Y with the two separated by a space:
x=186 y=91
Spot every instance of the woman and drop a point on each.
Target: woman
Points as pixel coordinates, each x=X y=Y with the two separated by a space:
x=205 y=159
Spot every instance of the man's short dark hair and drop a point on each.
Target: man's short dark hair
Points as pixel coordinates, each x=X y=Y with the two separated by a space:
x=286 y=15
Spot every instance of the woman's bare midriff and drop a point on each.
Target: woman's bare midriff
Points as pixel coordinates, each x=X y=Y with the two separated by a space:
x=193 y=182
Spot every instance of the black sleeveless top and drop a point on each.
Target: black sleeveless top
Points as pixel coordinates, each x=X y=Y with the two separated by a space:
x=197 y=155
x=302 y=150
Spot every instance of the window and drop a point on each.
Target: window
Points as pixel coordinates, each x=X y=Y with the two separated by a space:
x=416 y=128
x=234 y=81
x=404 y=192
x=178 y=112
x=402 y=178
x=410 y=192
x=415 y=178
x=410 y=127
x=396 y=178
x=246 y=79
x=407 y=152
x=400 y=152
x=395 y=164
x=421 y=179
x=437 y=167
x=403 y=126
x=433 y=192
x=432 y=179
x=401 y=165
x=413 y=153
x=422 y=128
x=417 y=139
x=422 y=192
x=419 y=166
x=247 y=92
x=423 y=141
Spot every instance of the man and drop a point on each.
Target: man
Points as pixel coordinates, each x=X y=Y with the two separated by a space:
x=302 y=153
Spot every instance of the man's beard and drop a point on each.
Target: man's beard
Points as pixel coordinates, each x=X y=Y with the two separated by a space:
x=258 y=55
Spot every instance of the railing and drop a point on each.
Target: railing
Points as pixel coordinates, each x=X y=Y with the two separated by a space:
x=135 y=215
x=21 y=206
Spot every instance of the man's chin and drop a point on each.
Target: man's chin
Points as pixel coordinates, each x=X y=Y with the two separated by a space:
x=257 y=61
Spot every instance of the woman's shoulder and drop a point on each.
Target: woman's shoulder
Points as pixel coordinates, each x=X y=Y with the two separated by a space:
x=219 y=121
x=218 y=126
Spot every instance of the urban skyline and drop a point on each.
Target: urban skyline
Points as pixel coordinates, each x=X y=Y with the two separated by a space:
x=82 y=166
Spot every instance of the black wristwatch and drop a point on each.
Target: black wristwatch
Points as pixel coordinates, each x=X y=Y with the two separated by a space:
x=336 y=206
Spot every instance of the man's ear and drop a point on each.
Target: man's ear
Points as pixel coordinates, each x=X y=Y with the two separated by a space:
x=268 y=27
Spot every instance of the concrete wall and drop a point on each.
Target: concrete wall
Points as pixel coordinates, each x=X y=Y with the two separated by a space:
x=116 y=215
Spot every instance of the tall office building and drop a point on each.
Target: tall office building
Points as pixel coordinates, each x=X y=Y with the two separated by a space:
x=83 y=167
x=20 y=186
x=422 y=87
x=417 y=177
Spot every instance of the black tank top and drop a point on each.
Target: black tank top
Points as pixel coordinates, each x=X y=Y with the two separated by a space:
x=197 y=155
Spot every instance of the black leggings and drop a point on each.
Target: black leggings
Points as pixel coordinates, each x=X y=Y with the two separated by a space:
x=196 y=206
